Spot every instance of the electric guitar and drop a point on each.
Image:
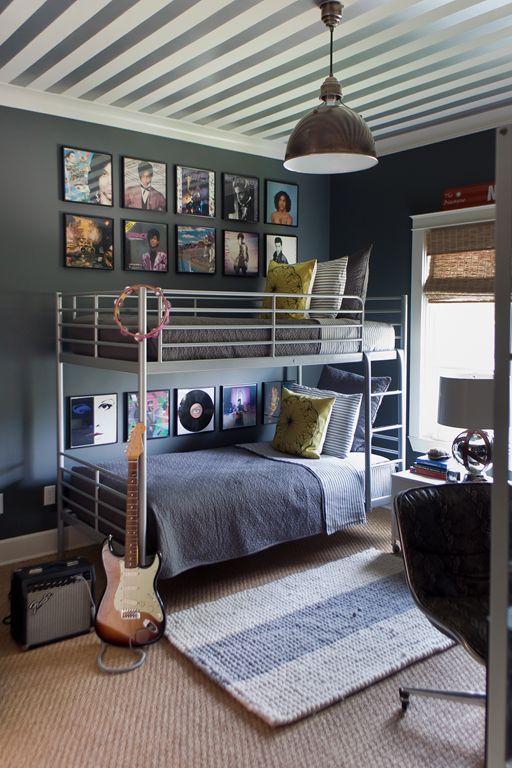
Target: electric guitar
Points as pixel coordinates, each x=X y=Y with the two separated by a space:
x=130 y=612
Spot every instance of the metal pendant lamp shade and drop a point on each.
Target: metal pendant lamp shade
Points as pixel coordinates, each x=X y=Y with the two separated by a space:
x=332 y=138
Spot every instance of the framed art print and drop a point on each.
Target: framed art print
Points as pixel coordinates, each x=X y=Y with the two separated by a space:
x=88 y=242
x=195 y=410
x=240 y=197
x=281 y=203
x=195 y=250
x=272 y=392
x=195 y=191
x=92 y=420
x=241 y=254
x=144 y=184
x=145 y=246
x=239 y=406
x=87 y=176
x=158 y=411
x=281 y=249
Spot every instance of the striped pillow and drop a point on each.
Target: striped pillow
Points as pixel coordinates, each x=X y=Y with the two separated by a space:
x=343 y=421
x=330 y=278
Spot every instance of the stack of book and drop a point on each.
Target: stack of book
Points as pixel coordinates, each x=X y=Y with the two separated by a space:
x=437 y=468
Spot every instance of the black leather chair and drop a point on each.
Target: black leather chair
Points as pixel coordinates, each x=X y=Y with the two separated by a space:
x=445 y=539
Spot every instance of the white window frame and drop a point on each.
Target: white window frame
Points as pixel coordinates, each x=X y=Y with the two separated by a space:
x=421 y=224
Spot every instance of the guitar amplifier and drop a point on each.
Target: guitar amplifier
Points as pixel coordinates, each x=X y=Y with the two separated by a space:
x=52 y=601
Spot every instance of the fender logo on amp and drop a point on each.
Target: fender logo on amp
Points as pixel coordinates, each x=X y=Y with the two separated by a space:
x=35 y=605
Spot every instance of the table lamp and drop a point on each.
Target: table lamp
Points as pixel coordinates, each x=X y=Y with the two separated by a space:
x=467 y=402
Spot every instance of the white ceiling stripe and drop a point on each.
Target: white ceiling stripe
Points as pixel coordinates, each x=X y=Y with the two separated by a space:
x=53 y=34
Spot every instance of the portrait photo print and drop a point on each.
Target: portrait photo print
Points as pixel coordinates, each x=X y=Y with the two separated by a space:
x=158 y=408
x=241 y=254
x=195 y=191
x=239 y=406
x=88 y=242
x=87 y=176
x=92 y=420
x=272 y=394
x=195 y=250
x=145 y=246
x=144 y=184
x=281 y=203
x=240 y=196
x=281 y=249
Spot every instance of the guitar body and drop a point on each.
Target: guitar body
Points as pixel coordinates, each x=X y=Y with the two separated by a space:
x=130 y=612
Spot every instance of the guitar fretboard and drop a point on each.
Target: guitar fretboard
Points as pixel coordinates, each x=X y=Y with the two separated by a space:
x=131 y=542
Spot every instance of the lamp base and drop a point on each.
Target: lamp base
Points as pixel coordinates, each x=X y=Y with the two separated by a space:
x=482 y=478
x=473 y=449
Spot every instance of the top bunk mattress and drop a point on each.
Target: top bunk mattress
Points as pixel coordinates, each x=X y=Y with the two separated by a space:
x=210 y=338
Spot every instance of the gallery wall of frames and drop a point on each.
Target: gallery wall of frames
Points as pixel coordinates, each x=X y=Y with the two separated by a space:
x=197 y=194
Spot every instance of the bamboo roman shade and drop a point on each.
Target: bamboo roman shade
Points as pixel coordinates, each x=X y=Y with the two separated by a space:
x=461 y=263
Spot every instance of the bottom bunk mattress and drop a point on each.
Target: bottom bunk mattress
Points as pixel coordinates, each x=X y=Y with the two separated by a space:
x=219 y=504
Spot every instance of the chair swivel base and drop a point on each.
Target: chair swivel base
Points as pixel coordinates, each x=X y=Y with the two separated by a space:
x=468 y=697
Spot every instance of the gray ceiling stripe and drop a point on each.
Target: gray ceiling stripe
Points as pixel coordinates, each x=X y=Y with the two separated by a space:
x=32 y=27
x=171 y=11
x=358 y=95
x=206 y=56
x=4 y=4
x=78 y=37
x=354 y=61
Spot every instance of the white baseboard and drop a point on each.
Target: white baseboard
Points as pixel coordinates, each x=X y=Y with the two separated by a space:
x=41 y=544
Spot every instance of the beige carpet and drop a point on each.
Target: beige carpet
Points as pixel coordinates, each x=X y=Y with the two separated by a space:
x=58 y=710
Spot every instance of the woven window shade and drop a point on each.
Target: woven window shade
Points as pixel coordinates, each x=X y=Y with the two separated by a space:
x=462 y=263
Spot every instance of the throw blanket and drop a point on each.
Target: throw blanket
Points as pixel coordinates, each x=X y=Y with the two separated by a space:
x=341 y=483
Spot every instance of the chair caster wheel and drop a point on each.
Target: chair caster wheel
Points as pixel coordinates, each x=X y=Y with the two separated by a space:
x=404 y=700
x=396 y=548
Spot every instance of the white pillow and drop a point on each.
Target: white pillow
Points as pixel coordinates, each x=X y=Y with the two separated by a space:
x=343 y=421
x=330 y=278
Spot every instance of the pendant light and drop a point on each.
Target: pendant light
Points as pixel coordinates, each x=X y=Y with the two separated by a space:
x=332 y=138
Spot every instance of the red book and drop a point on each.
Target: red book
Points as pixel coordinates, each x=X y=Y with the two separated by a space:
x=427 y=472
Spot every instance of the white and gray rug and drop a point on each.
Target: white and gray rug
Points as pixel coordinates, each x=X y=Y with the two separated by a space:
x=291 y=647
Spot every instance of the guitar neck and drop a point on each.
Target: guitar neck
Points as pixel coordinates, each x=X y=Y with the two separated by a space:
x=131 y=541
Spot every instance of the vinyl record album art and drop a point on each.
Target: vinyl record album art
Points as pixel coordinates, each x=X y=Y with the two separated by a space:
x=195 y=410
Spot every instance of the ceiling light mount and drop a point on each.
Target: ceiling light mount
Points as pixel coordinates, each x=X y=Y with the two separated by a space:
x=332 y=138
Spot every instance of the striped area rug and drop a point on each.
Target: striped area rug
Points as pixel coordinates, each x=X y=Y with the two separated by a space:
x=291 y=647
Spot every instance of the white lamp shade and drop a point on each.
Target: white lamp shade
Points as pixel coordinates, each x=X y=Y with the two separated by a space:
x=466 y=402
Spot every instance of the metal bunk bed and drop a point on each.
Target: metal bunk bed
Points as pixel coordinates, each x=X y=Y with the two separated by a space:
x=84 y=337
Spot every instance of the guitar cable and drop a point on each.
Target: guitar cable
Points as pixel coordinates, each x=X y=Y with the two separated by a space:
x=102 y=665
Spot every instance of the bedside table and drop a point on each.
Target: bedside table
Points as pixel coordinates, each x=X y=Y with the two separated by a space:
x=402 y=481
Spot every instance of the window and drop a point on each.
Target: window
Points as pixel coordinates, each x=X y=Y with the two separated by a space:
x=452 y=310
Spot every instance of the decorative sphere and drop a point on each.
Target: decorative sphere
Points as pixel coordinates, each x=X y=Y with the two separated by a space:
x=473 y=449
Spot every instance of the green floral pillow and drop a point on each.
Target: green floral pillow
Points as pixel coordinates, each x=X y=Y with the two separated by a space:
x=290 y=278
x=302 y=424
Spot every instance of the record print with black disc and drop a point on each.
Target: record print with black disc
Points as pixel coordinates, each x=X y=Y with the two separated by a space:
x=195 y=410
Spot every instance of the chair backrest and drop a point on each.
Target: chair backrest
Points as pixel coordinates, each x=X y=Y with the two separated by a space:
x=445 y=537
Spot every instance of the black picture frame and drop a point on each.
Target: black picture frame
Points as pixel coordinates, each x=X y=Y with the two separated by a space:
x=196 y=251
x=239 y=406
x=158 y=413
x=240 y=197
x=195 y=192
x=136 y=236
x=86 y=176
x=289 y=249
x=194 y=410
x=288 y=217
x=240 y=253
x=272 y=394
x=92 y=420
x=154 y=175
x=88 y=242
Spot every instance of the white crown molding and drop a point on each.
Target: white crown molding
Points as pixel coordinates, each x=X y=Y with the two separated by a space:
x=93 y=112
x=36 y=545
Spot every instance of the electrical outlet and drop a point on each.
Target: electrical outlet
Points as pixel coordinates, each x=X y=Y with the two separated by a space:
x=48 y=495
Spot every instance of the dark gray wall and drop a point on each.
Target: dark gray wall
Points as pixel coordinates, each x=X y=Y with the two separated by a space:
x=32 y=270
x=375 y=206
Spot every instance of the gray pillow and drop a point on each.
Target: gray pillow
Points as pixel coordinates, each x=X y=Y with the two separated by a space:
x=349 y=383
x=357 y=281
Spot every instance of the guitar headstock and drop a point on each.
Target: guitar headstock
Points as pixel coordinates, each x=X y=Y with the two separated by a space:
x=135 y=444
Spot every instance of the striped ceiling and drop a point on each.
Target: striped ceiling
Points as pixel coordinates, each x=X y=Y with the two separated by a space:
x=240 y=73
